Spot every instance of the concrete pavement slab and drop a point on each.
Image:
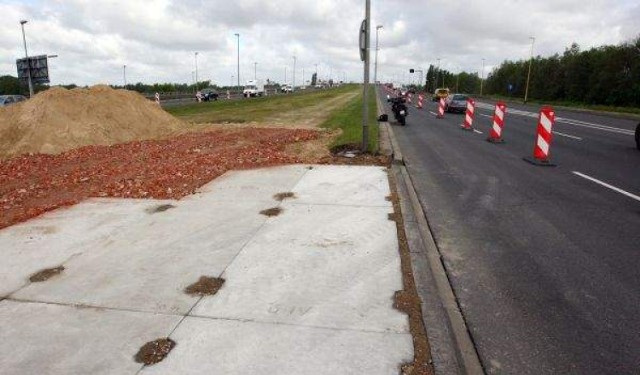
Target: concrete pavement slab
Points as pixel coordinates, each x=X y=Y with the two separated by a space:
x=57 y=236
x=42 y=339
x=147 y=266
x=324 y=266
x=211 y=346
x=344 y=185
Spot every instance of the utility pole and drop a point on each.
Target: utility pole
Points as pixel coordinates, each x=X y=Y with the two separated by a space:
x=124 y=76
x=293 y=87
x=365 y=105
x=285 y=75
x=438 y=75
x=526 y=91
x=196 y=58
x=238 y=36
x=375 y=69
x=255 y=71
x=26 y=55
x=482 y=77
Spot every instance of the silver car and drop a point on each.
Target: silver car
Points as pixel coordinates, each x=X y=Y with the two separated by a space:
x=456 y=103
x=6 y=100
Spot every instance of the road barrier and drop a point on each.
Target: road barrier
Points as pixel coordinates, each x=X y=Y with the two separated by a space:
x=157 y=96
x=543 y=138
x=495 y=136
x=420 y=100
x=440 y=109
x=470 y=113
x=409 y=96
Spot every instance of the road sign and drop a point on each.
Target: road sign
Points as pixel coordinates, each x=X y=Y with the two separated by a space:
x=37 y=65
x=363 y=39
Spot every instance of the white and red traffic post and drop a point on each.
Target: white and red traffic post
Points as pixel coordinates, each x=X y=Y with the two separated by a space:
x=495 y=136
x=440 y=109
x=544 y=135
x=420 y=100
x=470 y=113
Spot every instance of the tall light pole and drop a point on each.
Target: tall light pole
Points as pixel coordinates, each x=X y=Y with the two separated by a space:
x=255 y=71
x=316 y=74
x=124 y=76
x=482 y=77
x=526 y=90
x=438 y=75
x=375 y=70
x=365 y=102
x=26 y=55
x=238 y=36
x=196 y=58
x=293 y=87
x=285 y=75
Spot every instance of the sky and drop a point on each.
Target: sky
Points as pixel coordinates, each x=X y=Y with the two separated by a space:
x=157 y=39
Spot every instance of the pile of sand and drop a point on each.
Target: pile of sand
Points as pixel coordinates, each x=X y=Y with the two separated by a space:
x=58 y=119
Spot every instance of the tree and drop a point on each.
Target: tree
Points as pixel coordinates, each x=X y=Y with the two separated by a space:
x=10 y=85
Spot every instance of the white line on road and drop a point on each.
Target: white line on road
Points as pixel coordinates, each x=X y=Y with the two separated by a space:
x=632 y=196
x=489 y=116
x=433 y=113
x=567 y=135
x=477 y=131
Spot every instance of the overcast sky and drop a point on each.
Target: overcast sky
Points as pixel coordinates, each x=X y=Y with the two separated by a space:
x=157 y=39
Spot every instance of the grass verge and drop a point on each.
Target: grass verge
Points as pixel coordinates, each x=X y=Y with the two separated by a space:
x=349 y=120
x=255 y=109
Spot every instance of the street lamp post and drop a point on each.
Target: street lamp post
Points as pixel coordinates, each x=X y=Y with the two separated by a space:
x=196 y=58
x=482 y=77
x=365 y=95
x=375 y=70
x=255 y=71
x=124 y=76
x=238 y=36
x=316 y=74
x=26 y=55
x=526 y=90
x=293 y=87
x=438 y=75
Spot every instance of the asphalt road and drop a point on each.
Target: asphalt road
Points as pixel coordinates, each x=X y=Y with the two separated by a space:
x=544 y=261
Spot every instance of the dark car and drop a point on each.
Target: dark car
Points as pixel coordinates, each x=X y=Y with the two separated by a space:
x=209 y=94
x=456 y=103
x=6 y=100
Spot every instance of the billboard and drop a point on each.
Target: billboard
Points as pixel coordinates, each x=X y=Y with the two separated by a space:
x=38 y=66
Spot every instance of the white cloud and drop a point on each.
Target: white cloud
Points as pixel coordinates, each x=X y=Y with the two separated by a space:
x=157 y=39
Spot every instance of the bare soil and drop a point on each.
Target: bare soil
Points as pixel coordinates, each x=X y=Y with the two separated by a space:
x=270 y=212
x=46 y=274
x=154 y=351
x=205 y=286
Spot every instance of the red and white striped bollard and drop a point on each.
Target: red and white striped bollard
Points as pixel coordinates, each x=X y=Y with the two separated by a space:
x=495 y=136
x=544 y=136
x=470 y=113
x=420 y=99
x=440 y=109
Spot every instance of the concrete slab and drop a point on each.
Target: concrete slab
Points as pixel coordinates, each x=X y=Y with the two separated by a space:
x=38 y=338
x=321 y=266
x=147 y=266
x=57 y=236
x=255 y=184
x=232 y=348
x=344 y=185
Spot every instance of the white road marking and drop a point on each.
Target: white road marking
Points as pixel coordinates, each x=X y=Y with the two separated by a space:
x=477 y=131
x=489 y=116
x=632 y=196
x=567 y=135
x=433 y=113
x=563 y=120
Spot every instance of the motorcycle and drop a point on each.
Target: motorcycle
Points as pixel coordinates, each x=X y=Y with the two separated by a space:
x=399 y=109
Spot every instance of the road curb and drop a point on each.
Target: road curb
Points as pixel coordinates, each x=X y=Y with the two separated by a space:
x=445 y=307
x=396 y=154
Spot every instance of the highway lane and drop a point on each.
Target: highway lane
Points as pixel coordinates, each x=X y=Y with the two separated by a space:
x=545 y=263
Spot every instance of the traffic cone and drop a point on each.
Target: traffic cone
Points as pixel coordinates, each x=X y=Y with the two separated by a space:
x=543 y=138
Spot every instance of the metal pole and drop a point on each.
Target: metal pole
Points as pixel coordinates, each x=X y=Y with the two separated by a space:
x=375 y=70
x=26 y=55
x=255 y=71
x=124 y=76
x=238 y=36
x=293 y=87
x=303 y=82
x=317 y=74
x=365 y=95
x=285 y=75
x=438 y=75
x=196 y=57
x=526 y=91
x=482 y=77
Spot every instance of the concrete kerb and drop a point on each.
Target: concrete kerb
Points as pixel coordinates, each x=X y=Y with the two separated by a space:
x=387 y=133
x=459 y=339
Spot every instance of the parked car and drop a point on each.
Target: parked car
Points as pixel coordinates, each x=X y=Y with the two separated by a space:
x=440 y=94
x=209 y=94
x=456 y=103
x=638 y=136
x=287 y=89
x=6 y=100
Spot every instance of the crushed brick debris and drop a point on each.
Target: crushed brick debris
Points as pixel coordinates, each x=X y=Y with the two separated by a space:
x=205 y=286
x=162 y=169
x=282 y=196
x=274 y=211
x=154 y=351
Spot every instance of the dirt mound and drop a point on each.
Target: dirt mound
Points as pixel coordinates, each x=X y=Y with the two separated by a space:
x=58 y=119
